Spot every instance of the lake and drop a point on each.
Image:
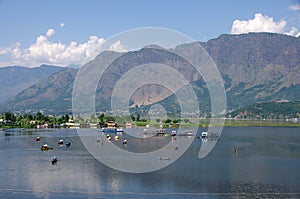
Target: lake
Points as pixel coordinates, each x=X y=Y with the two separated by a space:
x=266 y=165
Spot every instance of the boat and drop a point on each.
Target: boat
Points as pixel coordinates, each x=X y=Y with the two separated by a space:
x=161 y=132
x=204 y=135
x=119 y=130
x=46 y=147
x=116 y=137
x=68 y=144
x=173 y=133
x=187 y=133
x=54 y=160
x=164 y=158
x=112 y=130
x=61 y=142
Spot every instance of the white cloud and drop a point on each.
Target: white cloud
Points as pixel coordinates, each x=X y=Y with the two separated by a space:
x=50 y=32
x=295 y=7
x=292 y=32
x=61 y=25
x=117 y=47
x=261 y=23
x=4 y=51
x=45 y=51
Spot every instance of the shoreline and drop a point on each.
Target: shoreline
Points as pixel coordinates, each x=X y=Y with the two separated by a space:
x=202 y=123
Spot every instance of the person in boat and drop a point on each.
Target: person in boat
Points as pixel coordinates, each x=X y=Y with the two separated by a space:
x=236 y=150
x=68 y=144
x=60 y=142
x=45 y=147
x=54 y=160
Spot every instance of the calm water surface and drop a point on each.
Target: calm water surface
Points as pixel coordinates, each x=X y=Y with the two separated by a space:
x=266 y=166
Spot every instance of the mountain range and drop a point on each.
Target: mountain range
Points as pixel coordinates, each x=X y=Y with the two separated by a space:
x=14 y=79
x=255 y=67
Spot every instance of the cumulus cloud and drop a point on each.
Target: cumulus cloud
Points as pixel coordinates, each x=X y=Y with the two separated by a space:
x=45 y=51
x=261 y=23
x=61 y=25
x=117 y=47
x=4 y=51
x=295 y=7
x=49 y=32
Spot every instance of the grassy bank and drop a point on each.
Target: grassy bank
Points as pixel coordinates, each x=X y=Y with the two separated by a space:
x=229 y=123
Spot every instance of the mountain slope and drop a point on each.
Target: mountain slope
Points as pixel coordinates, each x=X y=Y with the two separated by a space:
x=14 y=79
x=269 y=110
x=255 y=67
x=52 y=95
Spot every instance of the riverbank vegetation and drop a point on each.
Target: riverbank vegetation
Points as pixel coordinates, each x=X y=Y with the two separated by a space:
x=38 y=120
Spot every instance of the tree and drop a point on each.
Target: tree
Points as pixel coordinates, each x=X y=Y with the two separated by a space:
x=132 y=117
x=101 y=119
x=8 y=116
x=186 y=120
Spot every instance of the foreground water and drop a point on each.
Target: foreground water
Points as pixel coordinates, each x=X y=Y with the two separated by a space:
x=267 y=165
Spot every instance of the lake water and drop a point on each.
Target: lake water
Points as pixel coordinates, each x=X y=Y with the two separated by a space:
x=266 y=166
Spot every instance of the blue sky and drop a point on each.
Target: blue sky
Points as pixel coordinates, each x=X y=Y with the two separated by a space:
x=31 y=29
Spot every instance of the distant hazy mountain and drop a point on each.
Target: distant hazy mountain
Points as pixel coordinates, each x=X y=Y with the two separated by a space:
x=14 y=79
x=52 y=95
x=255 y=67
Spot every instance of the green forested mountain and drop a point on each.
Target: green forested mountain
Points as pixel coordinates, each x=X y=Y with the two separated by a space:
x=269 y=110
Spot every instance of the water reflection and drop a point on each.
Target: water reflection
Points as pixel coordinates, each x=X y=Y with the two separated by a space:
x=266 y=166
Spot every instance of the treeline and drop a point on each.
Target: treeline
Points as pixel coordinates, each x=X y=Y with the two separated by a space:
x=269 y=110
x=9 y=119
x=12 y=120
